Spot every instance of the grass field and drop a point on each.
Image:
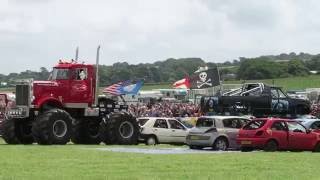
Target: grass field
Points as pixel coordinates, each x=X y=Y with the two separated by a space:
x=85 y=162
x=292 y=83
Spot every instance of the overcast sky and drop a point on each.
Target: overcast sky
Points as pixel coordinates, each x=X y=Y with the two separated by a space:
x=35 y=33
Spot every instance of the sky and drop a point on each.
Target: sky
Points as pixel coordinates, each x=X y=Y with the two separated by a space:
x=37 y=33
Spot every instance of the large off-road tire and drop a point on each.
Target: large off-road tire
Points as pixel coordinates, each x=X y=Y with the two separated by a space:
x=52 y=127
x=220 y=144
x=86 y=131
x=271 y=146
x=119 y=128
x=16 y=131
x=301 y=110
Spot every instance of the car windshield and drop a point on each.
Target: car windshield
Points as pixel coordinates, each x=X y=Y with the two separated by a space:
x=205 y=122
x=142 y=121
x=255 y=124
x=59 y=74
x=187 y=124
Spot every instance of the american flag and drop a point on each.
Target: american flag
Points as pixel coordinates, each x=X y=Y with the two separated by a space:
x=116 y=89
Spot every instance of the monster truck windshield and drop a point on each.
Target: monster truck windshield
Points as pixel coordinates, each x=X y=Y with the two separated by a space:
x=281 y=94
x=59 y=74
x=277 y=93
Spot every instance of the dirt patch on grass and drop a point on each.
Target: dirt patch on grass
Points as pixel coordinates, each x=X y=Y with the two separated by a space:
x=162 y=150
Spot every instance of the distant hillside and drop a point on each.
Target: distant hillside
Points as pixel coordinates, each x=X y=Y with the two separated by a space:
x=291 y=56
x=170 y=70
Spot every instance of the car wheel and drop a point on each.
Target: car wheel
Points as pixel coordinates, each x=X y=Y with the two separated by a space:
x=271 y=146
x=317 y=148
x=246 y=149
x=119 y=128
x=195 y=147
x=151 y=140
x=220 y=144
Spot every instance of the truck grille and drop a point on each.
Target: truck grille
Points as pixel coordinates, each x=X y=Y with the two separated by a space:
x=22 y=95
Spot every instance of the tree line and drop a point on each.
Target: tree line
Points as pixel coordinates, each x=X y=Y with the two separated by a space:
x=170 y=70
x=269 y=67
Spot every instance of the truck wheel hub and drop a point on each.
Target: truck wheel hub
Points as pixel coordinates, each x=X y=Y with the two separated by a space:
x=126 y=129
x=59 y=128
x=93 y=129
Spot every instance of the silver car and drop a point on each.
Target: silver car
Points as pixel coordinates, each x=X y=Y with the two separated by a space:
x=312 y=124
x=218 y=132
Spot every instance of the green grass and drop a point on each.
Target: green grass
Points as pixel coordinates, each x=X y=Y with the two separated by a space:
x=292 y=83
x=9 y=89
x=85 y=162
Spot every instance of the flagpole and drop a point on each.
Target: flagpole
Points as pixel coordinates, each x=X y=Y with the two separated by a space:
x=220 y=81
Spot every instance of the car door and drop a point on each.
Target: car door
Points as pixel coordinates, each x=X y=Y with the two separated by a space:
x=80 y=86
x=279 y=131
x=279 y=102
x=161 y=130
x=231 y=129
x=298 y=136
x=178 y=132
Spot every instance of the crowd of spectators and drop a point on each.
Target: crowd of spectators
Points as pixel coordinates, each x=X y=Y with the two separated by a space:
x=165 y=109
x=315 y=110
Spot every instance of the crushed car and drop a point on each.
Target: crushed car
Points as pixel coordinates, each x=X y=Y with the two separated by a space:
x=218 y=132
x=273 y=134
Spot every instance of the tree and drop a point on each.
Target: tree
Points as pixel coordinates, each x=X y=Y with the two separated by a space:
x=314 y=63
x=43 y=74
x=297 y=68
x=261 y=68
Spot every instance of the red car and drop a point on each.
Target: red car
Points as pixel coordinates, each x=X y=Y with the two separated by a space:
x=277 y=134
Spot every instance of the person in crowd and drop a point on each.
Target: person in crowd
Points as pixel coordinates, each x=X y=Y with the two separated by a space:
x=165 y=109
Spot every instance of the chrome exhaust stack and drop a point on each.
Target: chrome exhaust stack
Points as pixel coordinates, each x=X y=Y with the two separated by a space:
x=97 y=77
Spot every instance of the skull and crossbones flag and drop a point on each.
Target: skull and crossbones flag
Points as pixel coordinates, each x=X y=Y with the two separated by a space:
x=205 y=79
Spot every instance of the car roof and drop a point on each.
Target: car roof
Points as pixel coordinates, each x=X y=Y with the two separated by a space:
x=224 y=117
x=274 y=119
x=156 y=118
x=309 y=121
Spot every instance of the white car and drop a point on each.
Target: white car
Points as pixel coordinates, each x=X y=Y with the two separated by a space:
x=156 y=130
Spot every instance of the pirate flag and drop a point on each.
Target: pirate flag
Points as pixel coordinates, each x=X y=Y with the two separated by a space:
x=205 y=78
